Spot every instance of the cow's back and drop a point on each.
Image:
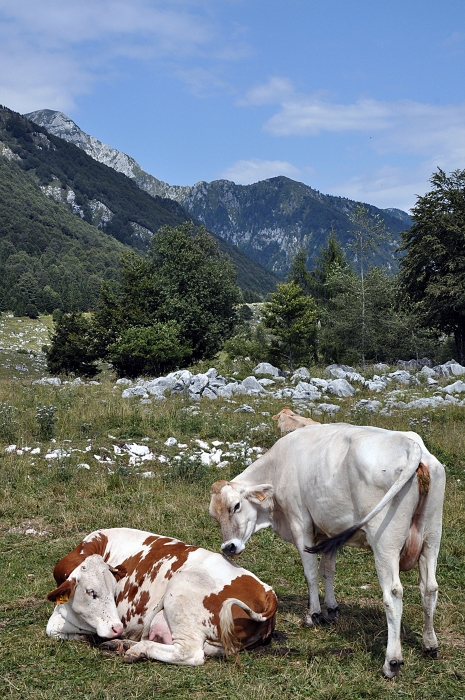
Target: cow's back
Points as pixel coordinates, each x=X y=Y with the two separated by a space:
x=333 y=475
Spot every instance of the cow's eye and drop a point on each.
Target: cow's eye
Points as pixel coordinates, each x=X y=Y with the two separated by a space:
x=90 y=591
x=236 y=507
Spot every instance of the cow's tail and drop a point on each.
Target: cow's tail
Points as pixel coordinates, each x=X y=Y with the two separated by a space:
x=331 y=545
x=229 y=641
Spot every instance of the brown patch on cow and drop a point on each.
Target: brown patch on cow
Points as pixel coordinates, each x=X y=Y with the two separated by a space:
x=147 y=564
x=218 y=485
x=247 y=589
x=140 y=605
x=423 y=478
x=411 y=550
x=66 y=565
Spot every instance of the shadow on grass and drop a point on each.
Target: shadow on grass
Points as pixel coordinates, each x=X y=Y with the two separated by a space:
x=360 y=627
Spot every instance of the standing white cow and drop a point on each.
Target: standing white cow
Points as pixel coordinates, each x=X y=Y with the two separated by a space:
x=380 y=488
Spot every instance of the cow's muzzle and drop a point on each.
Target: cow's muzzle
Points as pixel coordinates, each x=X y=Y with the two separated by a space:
x=232 y=548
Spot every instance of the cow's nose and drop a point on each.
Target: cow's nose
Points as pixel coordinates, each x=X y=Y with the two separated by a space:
x=117 y=630
x=229 y=549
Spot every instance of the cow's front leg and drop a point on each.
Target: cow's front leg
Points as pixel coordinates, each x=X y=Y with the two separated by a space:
x=60 y=628
x=327 y=572
x=184 y=654
x=388 y=575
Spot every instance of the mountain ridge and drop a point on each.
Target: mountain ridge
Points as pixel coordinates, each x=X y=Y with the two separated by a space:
x=269 y=220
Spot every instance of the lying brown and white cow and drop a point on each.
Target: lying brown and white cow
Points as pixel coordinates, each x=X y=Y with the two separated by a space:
x=174 y=602
x=374 y=488
x=289 y=421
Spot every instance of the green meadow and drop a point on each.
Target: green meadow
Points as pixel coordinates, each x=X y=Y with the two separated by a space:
x=65 y=471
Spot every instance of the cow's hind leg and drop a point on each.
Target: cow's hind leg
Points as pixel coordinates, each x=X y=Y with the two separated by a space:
x=388 y=575
x=429 y=596
x=313 y=614
x=327 y=572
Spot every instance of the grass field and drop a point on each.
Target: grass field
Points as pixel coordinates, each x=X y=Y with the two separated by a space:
x=49 y=503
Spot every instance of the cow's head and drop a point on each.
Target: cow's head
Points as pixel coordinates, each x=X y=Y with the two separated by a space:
x=240 y=510
x=89 y=595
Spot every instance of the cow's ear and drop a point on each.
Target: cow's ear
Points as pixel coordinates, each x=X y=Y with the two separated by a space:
x=261 y=495
x=63 y=593
x=118 y=572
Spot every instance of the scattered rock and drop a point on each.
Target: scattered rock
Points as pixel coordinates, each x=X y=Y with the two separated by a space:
x=266 y=368
x=340 y=387
x=245 y=408
x=301 y=373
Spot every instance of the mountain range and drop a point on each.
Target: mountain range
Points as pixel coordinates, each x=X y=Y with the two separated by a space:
x=268 y=220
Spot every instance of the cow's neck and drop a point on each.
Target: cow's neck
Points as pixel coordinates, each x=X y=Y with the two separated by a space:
x=259 y=472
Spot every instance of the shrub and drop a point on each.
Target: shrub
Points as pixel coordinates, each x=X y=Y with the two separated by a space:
x=72 y=347
x=151 y=350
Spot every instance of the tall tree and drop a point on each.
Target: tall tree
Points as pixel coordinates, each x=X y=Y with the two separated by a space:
x=433 y=268
x=298 y=272
x=290 y=315
x=176 y=305
x=367 y=234
x=330 y=264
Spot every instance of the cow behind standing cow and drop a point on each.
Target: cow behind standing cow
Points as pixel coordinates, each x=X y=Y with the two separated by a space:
x=289 y=421
x=169 y=601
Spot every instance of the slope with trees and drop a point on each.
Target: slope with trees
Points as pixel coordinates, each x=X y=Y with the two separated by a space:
x=175 y=306
x=104 y=197
x=49 y=258
x=433 y=267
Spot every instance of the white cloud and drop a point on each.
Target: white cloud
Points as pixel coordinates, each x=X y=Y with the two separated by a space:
x=51 y=51
x=246 y=172
x=274 y=91
x=388 y=186
x=403 y=126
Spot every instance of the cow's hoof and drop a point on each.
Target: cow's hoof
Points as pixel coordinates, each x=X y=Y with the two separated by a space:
x=319 y=619
x=431 y=652
x=332 y=614
x=392 y=669
x=116 y=646
x=129 y=658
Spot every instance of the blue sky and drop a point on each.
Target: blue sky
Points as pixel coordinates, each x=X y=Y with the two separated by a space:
x=358 y=98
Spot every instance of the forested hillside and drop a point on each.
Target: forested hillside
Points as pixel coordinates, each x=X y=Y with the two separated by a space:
x=98 y=194
x=49 y=258
x=88 y=192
